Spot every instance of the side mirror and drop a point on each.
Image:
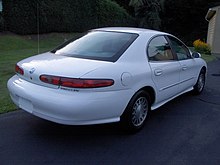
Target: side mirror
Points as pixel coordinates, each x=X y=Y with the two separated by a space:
x=196 y=55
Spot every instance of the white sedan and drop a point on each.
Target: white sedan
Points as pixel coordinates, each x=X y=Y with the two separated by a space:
x=107 y=75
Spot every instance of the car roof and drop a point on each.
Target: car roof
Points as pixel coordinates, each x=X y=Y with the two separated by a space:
x=130 y=30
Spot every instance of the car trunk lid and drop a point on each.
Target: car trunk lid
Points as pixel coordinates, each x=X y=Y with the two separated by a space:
x=56 y=65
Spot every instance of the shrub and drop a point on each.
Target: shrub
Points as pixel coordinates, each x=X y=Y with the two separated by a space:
x=201 y=47
x=1 y=23
x=24 y=17
x=125 y=5
x=111 y=14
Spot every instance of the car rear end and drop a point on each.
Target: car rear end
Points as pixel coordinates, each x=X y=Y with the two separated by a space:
x=73 y=88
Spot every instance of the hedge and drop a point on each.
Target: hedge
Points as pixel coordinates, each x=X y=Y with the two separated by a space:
x=1 y=23
x=24 y=17
x=111 y=14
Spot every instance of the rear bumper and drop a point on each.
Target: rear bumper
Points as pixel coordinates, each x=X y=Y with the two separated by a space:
x=68 y=107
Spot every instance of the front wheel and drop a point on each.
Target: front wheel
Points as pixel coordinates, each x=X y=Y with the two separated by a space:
x=200 y=84
x=136 y=112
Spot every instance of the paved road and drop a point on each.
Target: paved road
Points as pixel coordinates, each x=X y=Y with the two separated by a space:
x=186 y=131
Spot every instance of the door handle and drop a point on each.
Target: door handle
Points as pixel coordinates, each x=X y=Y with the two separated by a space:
x=158 y=72
x=184 y=67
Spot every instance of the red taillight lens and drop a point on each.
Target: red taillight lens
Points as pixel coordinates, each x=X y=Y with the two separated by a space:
x=86 y=83
x=76 y=83
x=19 y=70
x=50 y=79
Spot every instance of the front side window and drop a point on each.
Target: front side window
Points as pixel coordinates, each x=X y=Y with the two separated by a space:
x=98 y=45
x=159 y=50
x=180 y=49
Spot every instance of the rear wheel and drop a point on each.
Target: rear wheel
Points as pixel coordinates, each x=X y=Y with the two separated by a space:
x=136 y=112
x=200 y=84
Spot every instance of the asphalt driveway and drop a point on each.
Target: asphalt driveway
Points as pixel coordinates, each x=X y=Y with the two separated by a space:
x=186 y=131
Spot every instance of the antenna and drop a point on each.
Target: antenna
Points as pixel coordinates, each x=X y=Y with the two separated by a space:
x=38 y=30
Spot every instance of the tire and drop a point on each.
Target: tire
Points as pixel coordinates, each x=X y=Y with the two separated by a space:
x=136 y=112
x=200 y=84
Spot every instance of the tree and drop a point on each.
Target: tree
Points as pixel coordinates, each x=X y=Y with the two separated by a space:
x=147 y=12
x=125 y=5
x=185 y=19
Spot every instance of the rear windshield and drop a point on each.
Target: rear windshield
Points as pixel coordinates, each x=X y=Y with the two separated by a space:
x=97 y=45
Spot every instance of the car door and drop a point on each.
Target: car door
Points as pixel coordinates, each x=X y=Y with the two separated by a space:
x=164 y=67
x=188 y=64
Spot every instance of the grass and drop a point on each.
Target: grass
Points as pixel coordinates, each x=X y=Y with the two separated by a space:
x=208 y=58
x=14 y=48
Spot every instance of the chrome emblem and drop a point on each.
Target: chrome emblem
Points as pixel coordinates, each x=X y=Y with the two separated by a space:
x=32 y=70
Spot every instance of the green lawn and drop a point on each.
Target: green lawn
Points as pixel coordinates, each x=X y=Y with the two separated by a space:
x=208 y=58
x=13 y=48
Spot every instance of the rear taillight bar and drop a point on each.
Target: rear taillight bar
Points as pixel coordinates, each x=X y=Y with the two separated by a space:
x=19 y=70
x=76 y=82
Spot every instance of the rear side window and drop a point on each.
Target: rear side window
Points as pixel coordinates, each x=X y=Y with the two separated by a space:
x=98 y=45
x=159 y=49
x=180 y=49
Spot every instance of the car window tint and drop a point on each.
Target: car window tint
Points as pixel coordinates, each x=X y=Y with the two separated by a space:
x=159 y=49
x=97 y=45
x=180 y=49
